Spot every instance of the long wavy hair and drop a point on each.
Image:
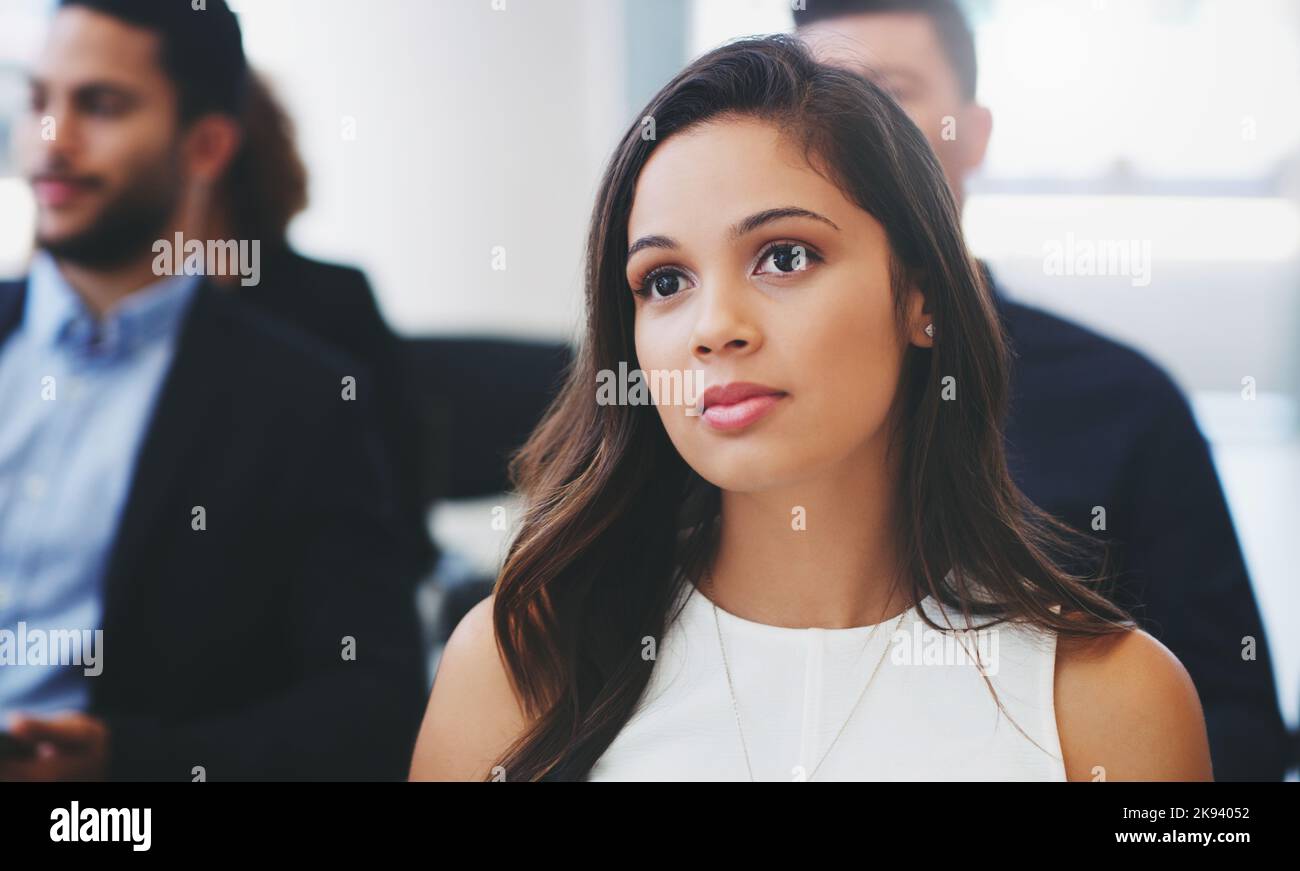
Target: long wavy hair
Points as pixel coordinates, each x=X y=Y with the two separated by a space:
x=615 y=522
x=266 y=184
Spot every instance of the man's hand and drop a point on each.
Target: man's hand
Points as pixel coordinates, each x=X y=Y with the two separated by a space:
x=68 y=747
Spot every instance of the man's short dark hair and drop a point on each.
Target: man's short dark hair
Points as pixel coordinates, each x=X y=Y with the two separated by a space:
x=949 y=22
x=202 y=49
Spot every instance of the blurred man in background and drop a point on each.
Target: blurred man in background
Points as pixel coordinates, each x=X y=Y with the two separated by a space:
x=198 y=482
x=1092 y=422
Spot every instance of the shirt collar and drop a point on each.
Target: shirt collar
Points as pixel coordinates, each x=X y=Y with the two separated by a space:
x=57 y=317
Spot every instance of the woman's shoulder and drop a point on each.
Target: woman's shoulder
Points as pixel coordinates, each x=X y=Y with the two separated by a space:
x=473 y=714
x=1125 y=706
x=1127 y=709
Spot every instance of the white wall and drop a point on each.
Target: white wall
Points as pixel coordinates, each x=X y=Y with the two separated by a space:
x=475 y=127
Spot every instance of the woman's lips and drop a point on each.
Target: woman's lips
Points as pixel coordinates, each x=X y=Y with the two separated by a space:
x=741 y=414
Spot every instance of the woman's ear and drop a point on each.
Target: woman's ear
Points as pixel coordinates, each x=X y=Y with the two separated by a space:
x=918 y=319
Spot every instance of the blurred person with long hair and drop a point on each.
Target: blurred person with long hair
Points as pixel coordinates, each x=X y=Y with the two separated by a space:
x=267 y=186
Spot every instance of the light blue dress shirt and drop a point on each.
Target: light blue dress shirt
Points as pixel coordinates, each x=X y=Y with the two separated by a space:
x=77 y=396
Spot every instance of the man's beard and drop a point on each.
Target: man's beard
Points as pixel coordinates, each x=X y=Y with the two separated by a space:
x=125 y=229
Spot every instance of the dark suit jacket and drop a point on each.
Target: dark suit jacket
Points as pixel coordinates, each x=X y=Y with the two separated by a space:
x=336 y=304
x=223 y=648
x=1095 y=423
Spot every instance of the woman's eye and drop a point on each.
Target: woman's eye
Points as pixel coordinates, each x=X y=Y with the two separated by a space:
x=664 y=284
x=786 y=259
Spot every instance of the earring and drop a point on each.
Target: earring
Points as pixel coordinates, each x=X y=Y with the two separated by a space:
x=929 y=330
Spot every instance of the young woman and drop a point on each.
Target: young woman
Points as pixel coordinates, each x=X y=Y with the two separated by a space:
x=777 y=579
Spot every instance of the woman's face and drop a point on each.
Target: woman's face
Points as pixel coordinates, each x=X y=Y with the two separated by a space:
x=754 y=268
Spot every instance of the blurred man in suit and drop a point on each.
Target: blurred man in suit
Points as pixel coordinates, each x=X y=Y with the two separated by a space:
x=199 y=483
x=1093 y=422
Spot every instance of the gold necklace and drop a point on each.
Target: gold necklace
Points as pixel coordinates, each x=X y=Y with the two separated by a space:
x=736 y=707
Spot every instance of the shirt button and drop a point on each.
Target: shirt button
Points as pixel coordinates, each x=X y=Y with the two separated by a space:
x=35 y=487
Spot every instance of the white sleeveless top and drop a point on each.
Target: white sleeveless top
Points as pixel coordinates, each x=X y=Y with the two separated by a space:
x=928 y=715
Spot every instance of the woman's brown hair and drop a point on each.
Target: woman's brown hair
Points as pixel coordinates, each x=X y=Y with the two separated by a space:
x=615 y=521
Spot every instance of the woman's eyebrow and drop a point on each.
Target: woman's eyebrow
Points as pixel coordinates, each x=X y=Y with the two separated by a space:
x=758 y=219
x=651 y=242
x=748 y=225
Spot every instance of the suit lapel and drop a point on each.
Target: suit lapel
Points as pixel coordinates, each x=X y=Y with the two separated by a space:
x=164 y=462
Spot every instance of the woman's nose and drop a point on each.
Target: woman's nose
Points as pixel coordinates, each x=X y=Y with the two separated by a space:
x=725 y=321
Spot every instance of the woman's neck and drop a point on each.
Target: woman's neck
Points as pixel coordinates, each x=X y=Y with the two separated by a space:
x=817 y=553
